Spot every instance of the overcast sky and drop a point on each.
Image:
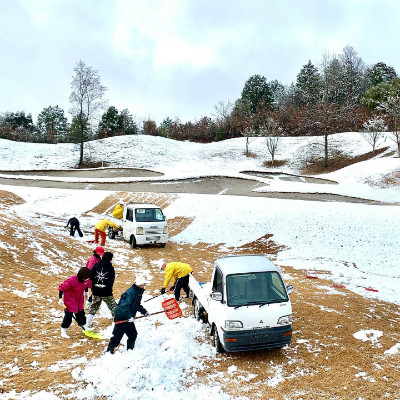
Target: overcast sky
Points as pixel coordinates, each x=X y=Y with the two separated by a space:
x=178 y=58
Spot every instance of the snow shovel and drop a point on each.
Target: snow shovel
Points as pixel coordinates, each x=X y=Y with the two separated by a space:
x=87 y=332
x=170 y=307
x=91 y=334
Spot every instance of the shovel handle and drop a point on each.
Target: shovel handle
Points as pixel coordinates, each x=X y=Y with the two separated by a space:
x=154 y=313
x=142 y=316
x=151 y=298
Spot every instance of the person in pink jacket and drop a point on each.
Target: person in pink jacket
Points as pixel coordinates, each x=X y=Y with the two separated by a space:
x=72 y=293
x=98 y=252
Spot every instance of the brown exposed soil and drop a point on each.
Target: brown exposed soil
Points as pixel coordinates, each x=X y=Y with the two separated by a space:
x=339 y=162
x=324 y=361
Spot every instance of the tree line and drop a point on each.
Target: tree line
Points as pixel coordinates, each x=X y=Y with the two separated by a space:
x=338 y=94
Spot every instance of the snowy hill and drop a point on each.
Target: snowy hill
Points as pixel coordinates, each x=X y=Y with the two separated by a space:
x=346 y=248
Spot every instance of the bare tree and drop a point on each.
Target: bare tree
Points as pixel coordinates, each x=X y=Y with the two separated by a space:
x=86 y=102
x=249 y=134
x=222 y=111
x=372 y=131
x=272 y=133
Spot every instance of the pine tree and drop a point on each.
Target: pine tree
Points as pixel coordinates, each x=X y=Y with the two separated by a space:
x=308 y=85
x=52 y=125
x=379 y=73
x=257 y=93
x=129 y=125
x=110 y=124
x=354 y=75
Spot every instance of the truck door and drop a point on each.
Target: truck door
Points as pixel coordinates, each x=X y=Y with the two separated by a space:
x=128 y=223
x=216 y=307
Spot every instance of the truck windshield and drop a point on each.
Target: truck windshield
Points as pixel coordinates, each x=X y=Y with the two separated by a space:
x=149 y=215
x=255 y=289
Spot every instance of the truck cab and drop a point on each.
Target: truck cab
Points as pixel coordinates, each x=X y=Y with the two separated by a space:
x=142 y=223
x=246 y=304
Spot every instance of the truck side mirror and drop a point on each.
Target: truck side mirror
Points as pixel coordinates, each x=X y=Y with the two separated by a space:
x=216 y=296
x=289 y=289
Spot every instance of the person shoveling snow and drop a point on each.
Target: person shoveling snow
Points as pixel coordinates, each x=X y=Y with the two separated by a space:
x=72 y=293
x=128 y=305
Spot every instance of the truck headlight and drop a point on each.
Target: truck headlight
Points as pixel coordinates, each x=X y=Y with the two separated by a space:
x=165 y=231
x=233 y=324
x=139 y=230
x=285 y=320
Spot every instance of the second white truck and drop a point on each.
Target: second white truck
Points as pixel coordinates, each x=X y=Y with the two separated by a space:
x=141 y=223
x=246 y=304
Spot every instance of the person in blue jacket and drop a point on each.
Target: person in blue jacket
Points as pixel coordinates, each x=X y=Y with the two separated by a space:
x=124 y=315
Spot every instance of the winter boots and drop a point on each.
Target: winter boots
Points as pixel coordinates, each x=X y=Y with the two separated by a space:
x=64 y=333
x=89 y=320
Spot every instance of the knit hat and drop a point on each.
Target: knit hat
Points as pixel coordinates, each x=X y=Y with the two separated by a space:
x=107 y=256
x=141 y=280
x=99 y=250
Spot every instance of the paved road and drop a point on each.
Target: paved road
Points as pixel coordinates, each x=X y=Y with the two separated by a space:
x=206 y=185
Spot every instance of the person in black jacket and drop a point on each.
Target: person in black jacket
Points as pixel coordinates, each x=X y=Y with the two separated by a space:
x=74 y=226
x=102 y=277
x=128 y=306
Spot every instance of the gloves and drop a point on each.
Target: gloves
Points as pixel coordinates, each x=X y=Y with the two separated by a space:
x=60 y=301
x=131 y=319
x=162 y=291
x=172 y=288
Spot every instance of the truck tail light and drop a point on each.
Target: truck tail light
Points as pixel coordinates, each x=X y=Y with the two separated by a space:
x=230 y=340
x=165 y=231
x=288 y=333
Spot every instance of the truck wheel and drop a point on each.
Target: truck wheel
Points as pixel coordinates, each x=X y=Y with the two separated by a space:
x=198 y=310
x=111 y=233
x=216 y=342
x=163 y=244
x=133 y=242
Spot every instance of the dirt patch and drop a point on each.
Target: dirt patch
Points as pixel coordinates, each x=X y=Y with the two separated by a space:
x=7 y=199
x=339 y=161
x=277 y=163
x=324 y=361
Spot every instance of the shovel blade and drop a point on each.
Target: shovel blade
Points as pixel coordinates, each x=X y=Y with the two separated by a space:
x=171 y=308
x=93 y=335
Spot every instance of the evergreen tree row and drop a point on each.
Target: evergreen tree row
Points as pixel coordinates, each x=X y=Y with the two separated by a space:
x=338 y=94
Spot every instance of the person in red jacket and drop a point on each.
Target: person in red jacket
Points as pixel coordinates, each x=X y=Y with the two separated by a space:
x=72 y=293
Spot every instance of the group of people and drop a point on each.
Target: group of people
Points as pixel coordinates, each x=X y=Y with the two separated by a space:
x=99 y=275
x=100 y=228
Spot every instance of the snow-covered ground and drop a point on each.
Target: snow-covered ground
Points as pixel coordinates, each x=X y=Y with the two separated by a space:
x=356 y=243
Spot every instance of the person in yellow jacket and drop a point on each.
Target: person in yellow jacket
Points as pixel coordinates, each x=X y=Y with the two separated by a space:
x=118 y=211
x=100 y=229
x=178 y=274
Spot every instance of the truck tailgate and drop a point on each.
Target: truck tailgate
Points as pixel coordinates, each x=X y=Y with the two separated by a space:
x=200 y=291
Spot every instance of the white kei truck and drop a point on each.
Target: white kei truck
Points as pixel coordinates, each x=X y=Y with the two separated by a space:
x=141 y=224
x=246 y=304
